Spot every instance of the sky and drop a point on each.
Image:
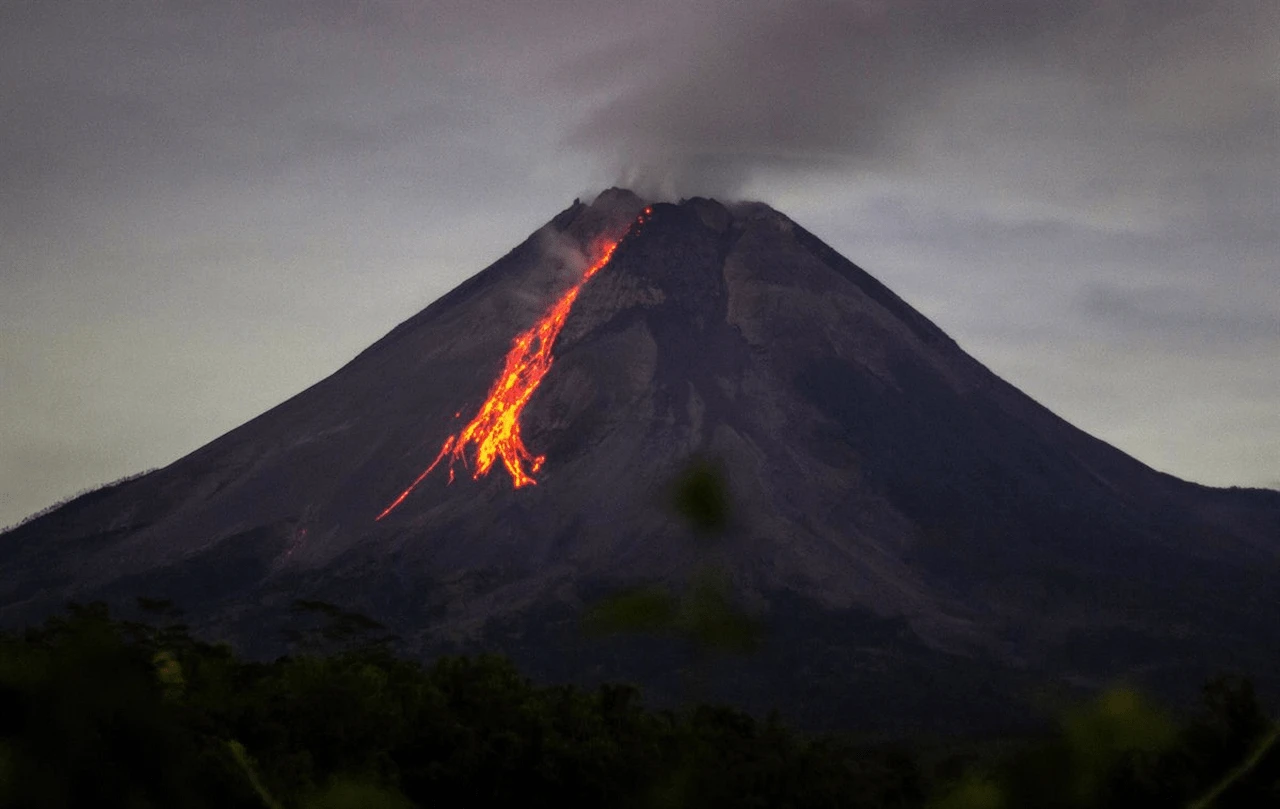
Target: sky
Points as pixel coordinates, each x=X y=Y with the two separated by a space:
x=207 y=207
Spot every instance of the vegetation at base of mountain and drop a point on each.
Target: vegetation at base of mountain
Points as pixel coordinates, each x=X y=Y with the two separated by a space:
x=104 y=713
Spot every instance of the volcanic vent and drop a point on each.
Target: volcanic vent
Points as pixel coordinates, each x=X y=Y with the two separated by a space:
x=914 y=529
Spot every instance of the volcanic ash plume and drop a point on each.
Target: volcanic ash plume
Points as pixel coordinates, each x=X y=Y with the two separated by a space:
x=814 y=85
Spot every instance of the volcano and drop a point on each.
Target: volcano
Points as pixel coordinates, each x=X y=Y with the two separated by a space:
x=922 y=541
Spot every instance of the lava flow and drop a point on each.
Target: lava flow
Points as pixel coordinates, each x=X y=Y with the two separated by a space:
x=495 y=429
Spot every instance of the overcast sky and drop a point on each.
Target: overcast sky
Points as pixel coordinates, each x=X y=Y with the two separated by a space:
x=207 y=206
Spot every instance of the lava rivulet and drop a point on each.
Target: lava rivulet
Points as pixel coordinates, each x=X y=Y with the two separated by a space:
x=495 y=429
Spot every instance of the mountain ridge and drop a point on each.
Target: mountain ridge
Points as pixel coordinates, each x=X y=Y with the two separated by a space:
x=878 y=470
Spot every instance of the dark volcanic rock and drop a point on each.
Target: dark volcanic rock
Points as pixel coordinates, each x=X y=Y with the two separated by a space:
x=923 y=540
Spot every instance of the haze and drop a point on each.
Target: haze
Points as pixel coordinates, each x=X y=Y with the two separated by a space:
x=205 y=208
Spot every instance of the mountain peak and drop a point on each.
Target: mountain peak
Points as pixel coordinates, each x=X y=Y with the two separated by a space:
x=883 y=478
x=615 y=196
x=623 y=204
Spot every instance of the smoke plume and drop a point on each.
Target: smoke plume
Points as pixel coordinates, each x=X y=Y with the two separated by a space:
x=814 y=84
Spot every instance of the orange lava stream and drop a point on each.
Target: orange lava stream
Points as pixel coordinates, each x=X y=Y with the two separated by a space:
x=495 y=429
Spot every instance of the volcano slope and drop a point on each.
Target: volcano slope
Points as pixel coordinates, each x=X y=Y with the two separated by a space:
x=923 y=542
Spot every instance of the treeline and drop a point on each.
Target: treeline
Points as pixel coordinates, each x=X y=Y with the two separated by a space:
x=100 y=489
x=97 y=712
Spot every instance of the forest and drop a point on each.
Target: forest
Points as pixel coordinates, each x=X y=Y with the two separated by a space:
x=101 y=712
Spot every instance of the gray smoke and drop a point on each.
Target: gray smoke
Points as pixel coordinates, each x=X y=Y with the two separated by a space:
x=807 y=85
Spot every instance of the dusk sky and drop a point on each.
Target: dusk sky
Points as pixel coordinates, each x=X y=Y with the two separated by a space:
x=206 y=207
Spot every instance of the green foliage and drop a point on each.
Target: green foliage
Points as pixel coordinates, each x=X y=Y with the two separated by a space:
x=345 y=794
x=85 y=722
x=1120 y=751
x=245 y=762
x=169 y=674
x=1235 y=730
x=1265 y=748
x=100 y=713
x=1099 y=737
x=704 y=615
x=701 y=496
x=95 y=712
x=973 y=792
x=643 y=609
x=708 y=616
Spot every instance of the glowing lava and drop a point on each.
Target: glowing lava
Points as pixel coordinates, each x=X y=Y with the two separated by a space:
x=495 y=429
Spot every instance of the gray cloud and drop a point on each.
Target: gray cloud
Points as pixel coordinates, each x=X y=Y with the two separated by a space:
x=1183 y=316
x=820 y=83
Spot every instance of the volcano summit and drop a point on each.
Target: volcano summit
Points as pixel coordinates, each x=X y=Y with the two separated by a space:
x=921 y=538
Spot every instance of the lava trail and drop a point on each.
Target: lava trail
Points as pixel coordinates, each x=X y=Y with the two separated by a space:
x=495 y=429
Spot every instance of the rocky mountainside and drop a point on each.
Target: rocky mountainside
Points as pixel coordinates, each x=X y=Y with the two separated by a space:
x=922 y=540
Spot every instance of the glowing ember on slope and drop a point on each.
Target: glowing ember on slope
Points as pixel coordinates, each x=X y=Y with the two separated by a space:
x=495 y=429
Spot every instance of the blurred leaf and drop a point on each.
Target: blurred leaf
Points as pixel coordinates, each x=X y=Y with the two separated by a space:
x=709 y=618
x=1118 y=722
x=701 y=497
x=973 y=792
x=242 y=758
x=344 y=794
x=705 y=615
x=169 y=673
x=1239 y=772
x=644 y=609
